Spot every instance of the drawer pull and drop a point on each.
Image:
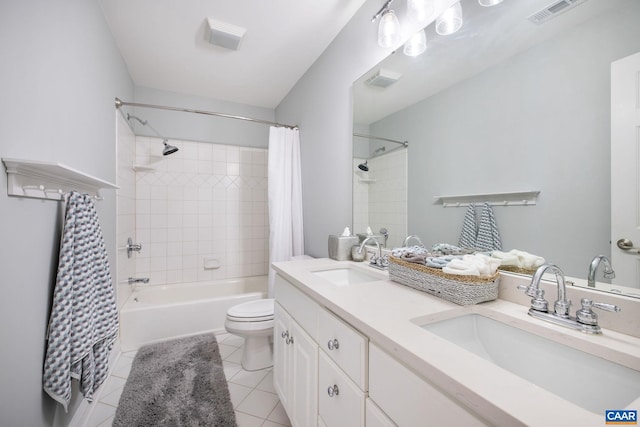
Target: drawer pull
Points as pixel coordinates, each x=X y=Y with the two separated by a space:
x=333 y=344
x=289 y=340
x=284 y=334
x=333 y=390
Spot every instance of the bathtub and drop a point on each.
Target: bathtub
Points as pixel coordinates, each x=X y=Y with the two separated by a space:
x=157 y=313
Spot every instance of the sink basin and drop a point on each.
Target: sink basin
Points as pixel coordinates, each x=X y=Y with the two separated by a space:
x=590 y=382
x=346 y=276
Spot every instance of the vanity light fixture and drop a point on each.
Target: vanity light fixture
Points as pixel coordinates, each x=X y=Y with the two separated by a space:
x=450 y=21
x=389 y=27
x=488 y=3
x=416 y=45
x=419 y=11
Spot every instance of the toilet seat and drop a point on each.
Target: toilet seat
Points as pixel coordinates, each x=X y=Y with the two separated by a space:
x=252 y=311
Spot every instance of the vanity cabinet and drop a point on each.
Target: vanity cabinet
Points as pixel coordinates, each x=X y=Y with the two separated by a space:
x=408 y=399
x=295 y=369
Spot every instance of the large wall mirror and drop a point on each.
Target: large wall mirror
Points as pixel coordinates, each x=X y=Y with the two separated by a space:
x=506 y=106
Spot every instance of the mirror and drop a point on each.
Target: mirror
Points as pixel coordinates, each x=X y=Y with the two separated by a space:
x=506 y=105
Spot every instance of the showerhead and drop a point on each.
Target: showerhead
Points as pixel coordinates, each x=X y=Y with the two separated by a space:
x=168 y=149
x=364 y=166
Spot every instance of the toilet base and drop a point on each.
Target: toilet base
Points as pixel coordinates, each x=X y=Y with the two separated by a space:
x=257 y=353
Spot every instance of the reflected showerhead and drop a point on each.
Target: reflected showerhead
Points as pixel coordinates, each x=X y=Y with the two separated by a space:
x=364 y=166
x=168 y=149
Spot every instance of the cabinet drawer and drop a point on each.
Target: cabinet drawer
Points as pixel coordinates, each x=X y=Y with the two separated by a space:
x=341 y=402
x=347 y=347
x=298 y=305
x=408 y=399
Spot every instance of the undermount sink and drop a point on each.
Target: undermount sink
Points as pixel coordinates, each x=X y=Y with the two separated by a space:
x=346 y=276
x=590 y=382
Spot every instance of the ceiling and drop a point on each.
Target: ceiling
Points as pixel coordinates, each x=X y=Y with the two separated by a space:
x=163 y=44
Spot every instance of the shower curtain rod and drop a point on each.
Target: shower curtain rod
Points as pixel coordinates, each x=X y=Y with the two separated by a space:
x=120 y=103
x=405 y=143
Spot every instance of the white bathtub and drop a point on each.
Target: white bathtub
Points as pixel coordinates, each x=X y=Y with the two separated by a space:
x=158 y=313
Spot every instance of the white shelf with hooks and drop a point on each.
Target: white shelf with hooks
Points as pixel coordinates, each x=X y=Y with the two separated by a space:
x=49 y=180
x=516 y=198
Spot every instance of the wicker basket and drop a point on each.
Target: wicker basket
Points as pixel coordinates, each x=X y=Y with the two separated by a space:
x=462 y=290
x=519 y=270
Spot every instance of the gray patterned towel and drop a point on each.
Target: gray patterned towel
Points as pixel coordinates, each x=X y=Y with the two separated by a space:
x=84 y=319
x=469 y=232
x=488 y=236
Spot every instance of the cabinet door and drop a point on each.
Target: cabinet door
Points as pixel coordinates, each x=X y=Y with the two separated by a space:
x=281 y=355
x=304 y=378
x=341 y=402
x=374 y=417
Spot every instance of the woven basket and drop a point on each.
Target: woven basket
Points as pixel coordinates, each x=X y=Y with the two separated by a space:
x=519 y=270
x=462 y=290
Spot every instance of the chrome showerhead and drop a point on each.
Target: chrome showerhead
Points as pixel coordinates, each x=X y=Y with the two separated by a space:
x=364 y=166
x=168 y=149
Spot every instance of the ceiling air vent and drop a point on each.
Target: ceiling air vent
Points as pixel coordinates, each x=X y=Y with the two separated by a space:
x=383 y=78
x=553 y=10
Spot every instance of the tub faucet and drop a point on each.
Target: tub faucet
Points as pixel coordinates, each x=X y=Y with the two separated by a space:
x=585 y=320
x=593 y=267
x=379 y=261
x=133 y=280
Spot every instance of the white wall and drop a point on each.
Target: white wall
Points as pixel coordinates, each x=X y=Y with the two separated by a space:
x=321 y=104
x=60 y=74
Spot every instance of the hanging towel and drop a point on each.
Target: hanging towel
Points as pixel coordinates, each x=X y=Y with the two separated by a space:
x=488 y=236
x=84 y=321
x=469 y=232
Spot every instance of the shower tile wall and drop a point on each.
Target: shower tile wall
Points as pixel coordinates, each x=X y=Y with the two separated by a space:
x=207 y=202
x=126 y=205
x=382 y=202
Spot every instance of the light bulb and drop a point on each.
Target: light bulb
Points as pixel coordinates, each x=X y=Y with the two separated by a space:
x=450 y=21
x=488 y=3
x=416 y=45
x=389 y=29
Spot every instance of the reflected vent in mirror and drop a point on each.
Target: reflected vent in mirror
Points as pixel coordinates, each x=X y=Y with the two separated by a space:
x=553 y=10
x=383 y=78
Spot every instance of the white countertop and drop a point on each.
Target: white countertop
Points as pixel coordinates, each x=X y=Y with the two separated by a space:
x=383 y=310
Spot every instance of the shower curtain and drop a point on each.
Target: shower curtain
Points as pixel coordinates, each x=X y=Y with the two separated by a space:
x=285 y=198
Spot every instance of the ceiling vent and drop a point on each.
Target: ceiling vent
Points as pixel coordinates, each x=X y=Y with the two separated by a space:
x=553 y=10
x=383 y=78
x=223 y=34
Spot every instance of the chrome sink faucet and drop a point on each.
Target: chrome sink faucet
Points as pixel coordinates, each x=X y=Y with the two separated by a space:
x=379 y=261
x=593 y=267
x=586 y=320
x=409 y=238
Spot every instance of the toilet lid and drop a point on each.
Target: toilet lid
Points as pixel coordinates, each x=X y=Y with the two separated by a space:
x=262 y=308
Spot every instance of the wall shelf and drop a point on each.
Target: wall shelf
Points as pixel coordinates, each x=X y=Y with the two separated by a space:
x=516 y=198
x=49 y=180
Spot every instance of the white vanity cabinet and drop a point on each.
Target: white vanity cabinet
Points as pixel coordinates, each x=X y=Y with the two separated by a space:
x=295 y=369
x=408 y=399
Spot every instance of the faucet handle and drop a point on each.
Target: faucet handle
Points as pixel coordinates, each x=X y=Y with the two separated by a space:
x=587 y=316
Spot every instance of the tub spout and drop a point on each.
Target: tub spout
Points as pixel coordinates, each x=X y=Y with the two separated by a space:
x=133 y=280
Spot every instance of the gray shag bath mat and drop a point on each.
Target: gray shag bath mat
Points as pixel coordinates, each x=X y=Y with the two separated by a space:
x=176 y=383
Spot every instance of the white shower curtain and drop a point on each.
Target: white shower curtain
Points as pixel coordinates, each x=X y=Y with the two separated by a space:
x=285 y=198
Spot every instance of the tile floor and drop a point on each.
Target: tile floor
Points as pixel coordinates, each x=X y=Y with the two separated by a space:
x=252 y=394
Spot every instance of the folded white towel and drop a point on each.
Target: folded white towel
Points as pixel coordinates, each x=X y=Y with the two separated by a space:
x=517 y=258
x=473 y=265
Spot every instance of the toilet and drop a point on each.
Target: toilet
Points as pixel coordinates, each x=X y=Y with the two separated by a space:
x=253 y=321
